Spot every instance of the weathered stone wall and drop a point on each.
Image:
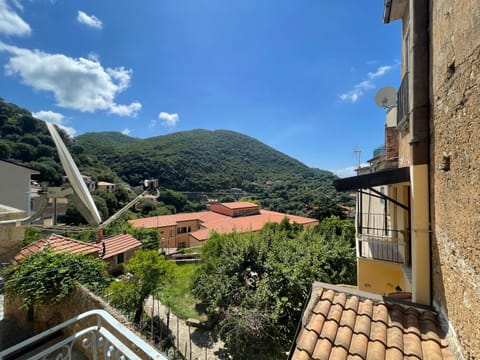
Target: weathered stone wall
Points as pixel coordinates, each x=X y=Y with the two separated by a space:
x=455 y=195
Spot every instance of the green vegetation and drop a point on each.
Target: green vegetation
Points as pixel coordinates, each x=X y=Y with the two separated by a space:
x=49 y=276
x=178 y=296
x=150 y=273
x=25 y=138
x=256 y=284
x=220 y=164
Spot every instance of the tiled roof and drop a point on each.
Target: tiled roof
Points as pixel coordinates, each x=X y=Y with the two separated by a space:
x=105 y=183
x=221 y=223
x=171 y=220
x=119 y=244
x=59 y=243
x=247 y=223
x=340 y=323
x=239 y=205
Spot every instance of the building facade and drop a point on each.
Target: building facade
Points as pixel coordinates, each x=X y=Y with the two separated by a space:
x=193 y=229
x=429 y=198
x=15 y=186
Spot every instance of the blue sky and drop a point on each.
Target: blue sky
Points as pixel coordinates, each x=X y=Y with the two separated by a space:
x=298 y=75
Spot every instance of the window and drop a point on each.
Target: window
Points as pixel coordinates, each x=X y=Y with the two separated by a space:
x=182 y=245
x=183 y=230
x=171 y=233
x=120 y=258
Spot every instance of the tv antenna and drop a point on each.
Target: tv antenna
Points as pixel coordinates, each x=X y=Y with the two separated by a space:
x=386 y=97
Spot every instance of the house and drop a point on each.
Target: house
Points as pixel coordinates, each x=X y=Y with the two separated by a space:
x=15 y=186
x=115 y=251
x=118 y=250
x=192 y=229
x=104 y=186
x=417 y=215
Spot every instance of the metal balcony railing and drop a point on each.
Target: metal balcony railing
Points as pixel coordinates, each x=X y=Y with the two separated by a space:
x=376 y=240
x=97 y=335
x=402 y=101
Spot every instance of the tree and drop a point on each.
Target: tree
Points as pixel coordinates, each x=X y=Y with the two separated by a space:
x=150 y=272
x=256 y=284
x=50 y=276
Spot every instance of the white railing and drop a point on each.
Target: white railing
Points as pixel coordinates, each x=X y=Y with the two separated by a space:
x=94 y=340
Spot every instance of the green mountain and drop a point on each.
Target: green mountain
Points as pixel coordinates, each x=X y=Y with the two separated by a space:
x=217 y=163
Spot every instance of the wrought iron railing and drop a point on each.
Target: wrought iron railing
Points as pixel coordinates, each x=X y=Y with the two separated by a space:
x=402 y=101
x=98 y=335
x=377 y=240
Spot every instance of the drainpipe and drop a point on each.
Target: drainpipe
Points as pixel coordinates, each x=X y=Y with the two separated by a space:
x=419 y=142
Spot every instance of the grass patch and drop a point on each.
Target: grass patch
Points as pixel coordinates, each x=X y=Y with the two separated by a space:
x=179 y=295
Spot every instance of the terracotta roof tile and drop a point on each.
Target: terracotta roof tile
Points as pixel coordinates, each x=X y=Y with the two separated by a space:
x=58 y=243
x=213 y=221
x=341 y=323
x=240 y=205
x=119 y=244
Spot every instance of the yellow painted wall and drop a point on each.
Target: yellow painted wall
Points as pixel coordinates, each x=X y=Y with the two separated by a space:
x=381 y=277
x=420 y=234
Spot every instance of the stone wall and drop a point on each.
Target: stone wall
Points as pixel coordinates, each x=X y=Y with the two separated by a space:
x=455 y=138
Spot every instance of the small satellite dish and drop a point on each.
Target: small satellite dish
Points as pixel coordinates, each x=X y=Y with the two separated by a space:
x=82 y=198
x=386 y=97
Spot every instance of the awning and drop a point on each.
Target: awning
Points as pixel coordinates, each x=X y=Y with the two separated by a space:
x=386 y=177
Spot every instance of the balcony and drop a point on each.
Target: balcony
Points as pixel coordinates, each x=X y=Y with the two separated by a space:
x=94 y=335
x=402 y=102
x=376 y=240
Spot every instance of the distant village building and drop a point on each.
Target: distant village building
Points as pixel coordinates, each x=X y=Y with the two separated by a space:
x=89 y=182
x=193 y=229
x=104 y=186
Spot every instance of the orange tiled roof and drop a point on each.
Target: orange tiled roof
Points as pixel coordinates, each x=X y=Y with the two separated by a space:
x=59 y=243
x=171 y=220
x=339 y=323
x=247 y=223
x=119 y=244
x=221 y=223
x=239 y=205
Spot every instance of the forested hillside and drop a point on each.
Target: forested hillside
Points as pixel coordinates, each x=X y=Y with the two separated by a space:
x=211 y=162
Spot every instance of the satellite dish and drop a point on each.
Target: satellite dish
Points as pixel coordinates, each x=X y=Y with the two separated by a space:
x=82 y=198
x=386 y=97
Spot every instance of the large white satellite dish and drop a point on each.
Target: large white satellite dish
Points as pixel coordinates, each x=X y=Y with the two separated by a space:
x=82 y=198
x=386 y=97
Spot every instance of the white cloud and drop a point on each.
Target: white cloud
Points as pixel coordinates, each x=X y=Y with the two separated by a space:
x=382 y=70
x=10 y=22
x=93 y=56
x=79 y=84
x=89 y=20
x=54 y=118
x=348 y=171
x=357 y=91
x=152 y=124
x=126 y=131
x=360 y=88
x=169 y=120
